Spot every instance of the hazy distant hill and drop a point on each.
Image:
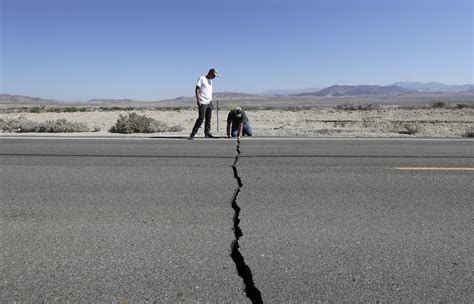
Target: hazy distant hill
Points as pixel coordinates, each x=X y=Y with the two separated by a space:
x=19 y=99
x=359 y=90
x=223 y=96
x=434 y=87
x=112 y=101
x=288 y=92
x=229 y=95
x=332 y=95
x=467 y=88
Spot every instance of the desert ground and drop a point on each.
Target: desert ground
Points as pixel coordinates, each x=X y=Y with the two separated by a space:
x=296 y=121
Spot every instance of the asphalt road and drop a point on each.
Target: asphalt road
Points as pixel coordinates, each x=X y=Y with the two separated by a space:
x=151 y=220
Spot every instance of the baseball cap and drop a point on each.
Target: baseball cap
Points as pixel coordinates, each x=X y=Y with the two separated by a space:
x=238 y=112
x=213 y=71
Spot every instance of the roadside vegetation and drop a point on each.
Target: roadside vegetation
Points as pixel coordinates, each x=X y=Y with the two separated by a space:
x=134 y=123
x=43 y=109
x=469 y=132
x=23 y=125
x=108 y=109
x=436 y=105
x=409 y=129
x=355 y=107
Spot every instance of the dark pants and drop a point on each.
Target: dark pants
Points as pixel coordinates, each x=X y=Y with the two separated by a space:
x=205 y=111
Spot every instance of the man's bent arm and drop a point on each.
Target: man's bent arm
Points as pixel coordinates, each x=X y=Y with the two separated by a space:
x=228 y=129
x=196 y=91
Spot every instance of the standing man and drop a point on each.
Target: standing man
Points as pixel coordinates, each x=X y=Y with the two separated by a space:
x=238 y=120
x=203 y=93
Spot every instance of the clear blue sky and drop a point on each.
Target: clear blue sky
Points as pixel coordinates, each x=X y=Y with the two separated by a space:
x=151 y=50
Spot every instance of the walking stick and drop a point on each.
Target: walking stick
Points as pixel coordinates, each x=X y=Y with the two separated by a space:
x=217 y=101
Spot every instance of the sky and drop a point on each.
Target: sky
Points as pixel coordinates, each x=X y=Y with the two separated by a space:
x=76 y=50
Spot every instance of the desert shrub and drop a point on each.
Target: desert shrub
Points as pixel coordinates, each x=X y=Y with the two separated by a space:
x=462 y=106
x=117 y=108
x=344 y=107
x=229 y=107
x=15 y=125
x=134 y=123
x=469 y=132
x=173 y=109
x=54 y=110
x=3 y=123
x=36 y=109
x=439 y=104
x=20 y=125
x=9 y=110
x=402 y=127
x=410 y=129
x=295 y=108
x=352 y=107
x=70 y=109
x=66 y=109
x=409 y=107
x=61 y=125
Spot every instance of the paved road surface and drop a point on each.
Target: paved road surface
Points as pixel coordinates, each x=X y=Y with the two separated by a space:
x=145 y=220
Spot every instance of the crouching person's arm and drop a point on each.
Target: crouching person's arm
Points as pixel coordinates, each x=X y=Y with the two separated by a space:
x=228 y=129
x=241 y=129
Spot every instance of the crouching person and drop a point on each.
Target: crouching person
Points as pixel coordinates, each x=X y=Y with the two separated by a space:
x=238 y=124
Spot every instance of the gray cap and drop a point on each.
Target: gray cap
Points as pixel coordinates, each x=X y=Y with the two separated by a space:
x=238 y=112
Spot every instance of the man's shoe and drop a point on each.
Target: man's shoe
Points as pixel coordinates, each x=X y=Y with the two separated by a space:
x=209 y=136
x=191 y=137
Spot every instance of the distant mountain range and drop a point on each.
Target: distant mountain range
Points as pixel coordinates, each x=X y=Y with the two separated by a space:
x=288 y=92
x=359 y=90
x=113 y=101
x=398 y=88
x=434 y=87
x=394 y=90
x=224 y=95
x=8 y=98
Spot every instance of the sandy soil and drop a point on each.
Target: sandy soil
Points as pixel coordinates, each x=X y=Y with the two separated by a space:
x=387 y=121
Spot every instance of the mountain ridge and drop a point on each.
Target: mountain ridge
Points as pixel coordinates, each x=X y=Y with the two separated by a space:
x=433 y=86
x=403 y=88
x=359 y=90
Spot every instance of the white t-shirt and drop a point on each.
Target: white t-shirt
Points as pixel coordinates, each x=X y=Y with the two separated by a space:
x=205 y=92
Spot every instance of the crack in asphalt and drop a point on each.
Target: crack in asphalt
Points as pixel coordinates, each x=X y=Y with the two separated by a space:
x=243 y=269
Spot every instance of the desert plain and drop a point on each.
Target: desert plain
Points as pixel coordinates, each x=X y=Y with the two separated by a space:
x=344 y=120
x=449 y=115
